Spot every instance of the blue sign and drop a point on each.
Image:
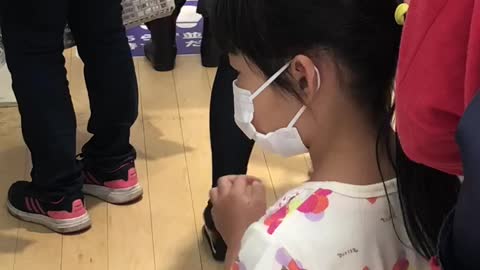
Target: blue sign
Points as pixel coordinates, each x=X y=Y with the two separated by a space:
x=189 y=32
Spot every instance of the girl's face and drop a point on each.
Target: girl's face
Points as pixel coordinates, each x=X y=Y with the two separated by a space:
x=274 y=107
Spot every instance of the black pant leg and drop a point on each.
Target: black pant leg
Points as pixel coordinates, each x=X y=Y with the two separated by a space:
x=33 y=39
x=109 y=74
x=231 y=149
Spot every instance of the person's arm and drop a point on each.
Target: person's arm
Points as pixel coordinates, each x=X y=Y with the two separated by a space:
x=459 y=243
x=231 y=257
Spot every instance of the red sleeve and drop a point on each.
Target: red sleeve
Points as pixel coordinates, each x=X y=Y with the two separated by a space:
x=438 y=75
x=472 y=74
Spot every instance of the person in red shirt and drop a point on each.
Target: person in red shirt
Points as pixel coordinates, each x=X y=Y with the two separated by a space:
x=438 y=123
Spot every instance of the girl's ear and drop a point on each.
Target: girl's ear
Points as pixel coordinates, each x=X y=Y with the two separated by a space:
x=304 y=71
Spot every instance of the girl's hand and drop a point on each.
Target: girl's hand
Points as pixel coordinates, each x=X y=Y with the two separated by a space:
x=238 y=201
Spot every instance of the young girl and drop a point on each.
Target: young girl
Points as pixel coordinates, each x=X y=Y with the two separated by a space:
x=315 y=76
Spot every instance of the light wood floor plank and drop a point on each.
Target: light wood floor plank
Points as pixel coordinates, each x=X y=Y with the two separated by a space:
x=286 y=173
x=175 y=241
x=258 y=168
x=193 y=90
x=78 y=252
x=130 y=226
x=211 y=75
x=12 y=168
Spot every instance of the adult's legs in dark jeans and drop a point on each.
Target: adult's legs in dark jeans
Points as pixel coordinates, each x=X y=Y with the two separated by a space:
x=33 y=37
x=231 y=149
x=112 y=88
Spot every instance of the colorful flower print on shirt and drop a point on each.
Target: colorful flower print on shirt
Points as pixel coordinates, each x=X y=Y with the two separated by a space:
x=372 y=200
x=286 y=261
x=402 y=264
x=313 y=208
x=276 y=218
x=238 y=266
x=434 y=264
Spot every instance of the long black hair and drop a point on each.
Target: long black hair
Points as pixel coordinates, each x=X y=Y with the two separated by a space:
x=427 y=196
x=364 y=39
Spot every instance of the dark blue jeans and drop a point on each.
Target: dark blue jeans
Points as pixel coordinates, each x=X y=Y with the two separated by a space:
x=33 y=39
x=460 y=238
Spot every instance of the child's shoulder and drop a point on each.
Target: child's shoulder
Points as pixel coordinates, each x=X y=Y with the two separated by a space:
x=332 y=202
x=331 y=224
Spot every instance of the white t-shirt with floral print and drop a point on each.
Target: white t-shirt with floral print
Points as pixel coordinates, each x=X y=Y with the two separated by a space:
x=330 y=225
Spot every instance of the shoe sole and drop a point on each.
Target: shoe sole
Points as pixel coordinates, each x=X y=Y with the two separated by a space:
x=114 y=196
x=209 y=238
x=60 y=226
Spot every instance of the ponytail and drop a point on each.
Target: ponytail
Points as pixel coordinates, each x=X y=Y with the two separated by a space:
x=426 y=196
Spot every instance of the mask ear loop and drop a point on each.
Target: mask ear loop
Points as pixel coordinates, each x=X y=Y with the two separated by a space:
x=269 y=81
x=318 y=78
x=297 y=116
x=302 y=110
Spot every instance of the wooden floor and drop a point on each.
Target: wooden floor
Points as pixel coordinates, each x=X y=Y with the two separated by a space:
x=162 y=231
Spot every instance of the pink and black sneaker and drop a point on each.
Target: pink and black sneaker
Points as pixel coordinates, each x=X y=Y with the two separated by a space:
x=62 y=214
x=117 y=186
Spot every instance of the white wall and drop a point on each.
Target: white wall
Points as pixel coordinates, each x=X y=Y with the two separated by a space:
x=6 y=95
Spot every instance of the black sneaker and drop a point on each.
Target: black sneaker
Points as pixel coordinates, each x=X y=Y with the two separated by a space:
x=213 y=238
x=62 y=214
x=116 y=185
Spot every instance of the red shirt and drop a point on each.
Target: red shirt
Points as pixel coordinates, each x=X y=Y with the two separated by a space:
x=438 y=75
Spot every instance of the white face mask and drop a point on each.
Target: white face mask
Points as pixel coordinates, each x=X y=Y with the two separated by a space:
x=285 y=141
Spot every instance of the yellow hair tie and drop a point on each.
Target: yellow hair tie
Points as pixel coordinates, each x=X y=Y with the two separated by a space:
x=400 y=13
